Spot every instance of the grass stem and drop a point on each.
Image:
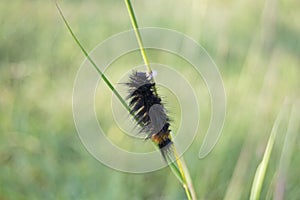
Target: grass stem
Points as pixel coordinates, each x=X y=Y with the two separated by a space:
x=186 y=180
x=139 y=39
x=105 y=79
x=183 y=171
x=137 y=34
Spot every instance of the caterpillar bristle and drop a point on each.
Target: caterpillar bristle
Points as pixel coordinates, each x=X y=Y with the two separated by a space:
x=149 y=112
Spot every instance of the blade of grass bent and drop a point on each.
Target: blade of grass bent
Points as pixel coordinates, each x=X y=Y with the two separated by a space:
x=105 y=79
x=262 y=167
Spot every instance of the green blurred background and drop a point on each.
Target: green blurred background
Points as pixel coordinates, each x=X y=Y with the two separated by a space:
x=256 y=45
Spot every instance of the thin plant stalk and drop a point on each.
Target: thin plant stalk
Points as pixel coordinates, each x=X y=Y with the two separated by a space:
x=139 y=39
x=105 y=79
x=188 y=180
x=186 y=183
x=138 y=34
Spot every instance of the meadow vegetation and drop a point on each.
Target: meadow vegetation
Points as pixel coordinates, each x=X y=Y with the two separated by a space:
x=255 y=44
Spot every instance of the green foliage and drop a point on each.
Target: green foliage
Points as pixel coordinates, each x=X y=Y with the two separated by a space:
x=41 y=156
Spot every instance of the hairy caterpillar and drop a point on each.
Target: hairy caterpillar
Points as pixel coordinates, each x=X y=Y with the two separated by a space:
x=149 y=112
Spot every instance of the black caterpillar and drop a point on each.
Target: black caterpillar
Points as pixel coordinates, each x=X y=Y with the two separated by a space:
x=148 y=110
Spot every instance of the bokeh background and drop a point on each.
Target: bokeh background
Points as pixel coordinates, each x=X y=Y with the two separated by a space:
x=255 y=44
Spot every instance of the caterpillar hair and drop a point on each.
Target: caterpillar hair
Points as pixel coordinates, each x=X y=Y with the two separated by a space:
x=149 y=112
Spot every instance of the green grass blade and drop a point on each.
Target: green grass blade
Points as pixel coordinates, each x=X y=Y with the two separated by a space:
x=188 y=181
x=105 y=79
x=176 y=172
x=262 y=167
x=182 y=179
